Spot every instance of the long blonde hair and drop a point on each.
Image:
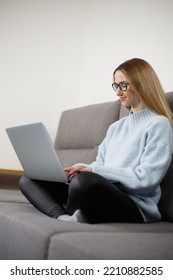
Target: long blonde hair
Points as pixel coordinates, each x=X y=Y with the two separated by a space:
x=145 y=83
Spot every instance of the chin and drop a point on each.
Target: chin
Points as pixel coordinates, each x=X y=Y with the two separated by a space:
x=125 y=104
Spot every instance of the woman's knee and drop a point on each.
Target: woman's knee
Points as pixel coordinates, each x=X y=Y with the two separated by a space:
x=84 y=182
x=79 y=180
x=24 y=183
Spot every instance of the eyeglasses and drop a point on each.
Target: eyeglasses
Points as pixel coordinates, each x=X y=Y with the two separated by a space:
x=122 y=86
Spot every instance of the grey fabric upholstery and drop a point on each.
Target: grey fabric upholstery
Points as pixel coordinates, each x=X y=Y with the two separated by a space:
x=166 y=201
x=13 y=196
x=81 y=131
x=26 y=233
x=170 y=99
x=83 y=246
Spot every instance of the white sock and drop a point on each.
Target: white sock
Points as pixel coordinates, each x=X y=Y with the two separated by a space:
x=77 y=217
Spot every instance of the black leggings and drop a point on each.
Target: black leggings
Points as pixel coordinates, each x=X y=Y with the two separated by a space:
x=100 y=200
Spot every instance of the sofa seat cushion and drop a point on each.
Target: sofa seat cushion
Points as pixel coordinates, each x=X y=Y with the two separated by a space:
x=21 y=238
x=111 y=246
x=12 y=195
x=26 y=233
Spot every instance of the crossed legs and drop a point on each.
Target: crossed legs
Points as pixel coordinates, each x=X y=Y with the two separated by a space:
x=99 y=199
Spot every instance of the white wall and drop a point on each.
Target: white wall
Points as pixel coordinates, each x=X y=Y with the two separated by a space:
x=59 y=54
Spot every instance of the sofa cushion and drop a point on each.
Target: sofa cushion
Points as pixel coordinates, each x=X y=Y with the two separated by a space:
x=85 y=127
x=21 y=238
x=169 y=96
x=110 y=246
x=26 y=233
x=72 y=156
x=81 y=130
x=13 y=196
x=166 y=201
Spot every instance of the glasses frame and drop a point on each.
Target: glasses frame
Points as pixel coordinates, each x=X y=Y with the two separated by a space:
x=122 y=86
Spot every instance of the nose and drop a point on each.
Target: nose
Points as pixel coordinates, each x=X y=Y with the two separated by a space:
x=118 y=92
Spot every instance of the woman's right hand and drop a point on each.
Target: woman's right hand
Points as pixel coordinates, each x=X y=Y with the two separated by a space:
x=71 y=172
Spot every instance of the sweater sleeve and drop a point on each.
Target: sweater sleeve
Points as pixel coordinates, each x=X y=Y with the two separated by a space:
x=153 y=165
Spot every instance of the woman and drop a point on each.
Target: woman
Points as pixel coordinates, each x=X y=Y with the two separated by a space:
x=123 y=184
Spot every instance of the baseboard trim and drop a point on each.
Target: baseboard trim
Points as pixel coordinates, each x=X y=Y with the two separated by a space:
x=11 y=171
x=10 y=178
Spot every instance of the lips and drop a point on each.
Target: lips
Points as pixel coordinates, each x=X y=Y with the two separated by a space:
x=122 y=98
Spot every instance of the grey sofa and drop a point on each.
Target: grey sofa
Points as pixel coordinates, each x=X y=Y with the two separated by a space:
x=26 y=233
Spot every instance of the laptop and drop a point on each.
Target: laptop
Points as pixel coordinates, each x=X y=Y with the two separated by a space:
x=36 y=152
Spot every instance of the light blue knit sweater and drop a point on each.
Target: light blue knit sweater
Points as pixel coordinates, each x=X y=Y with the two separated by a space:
x=137 y=152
